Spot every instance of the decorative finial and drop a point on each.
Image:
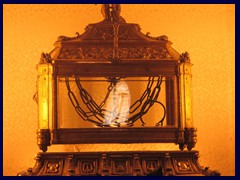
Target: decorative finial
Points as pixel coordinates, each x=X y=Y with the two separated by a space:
x=111 y=12
x=184 y=57
x=45 y=58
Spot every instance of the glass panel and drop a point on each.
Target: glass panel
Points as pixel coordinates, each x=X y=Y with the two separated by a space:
x=111 y=102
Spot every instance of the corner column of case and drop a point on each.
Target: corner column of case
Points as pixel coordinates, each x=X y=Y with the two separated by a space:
x=45 y=105
x=185 y=79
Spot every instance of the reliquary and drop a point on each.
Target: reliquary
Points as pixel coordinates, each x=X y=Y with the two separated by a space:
x=114 y=84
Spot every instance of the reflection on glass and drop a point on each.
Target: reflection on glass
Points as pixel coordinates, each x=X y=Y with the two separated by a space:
x=111 y=102
x=118 y=105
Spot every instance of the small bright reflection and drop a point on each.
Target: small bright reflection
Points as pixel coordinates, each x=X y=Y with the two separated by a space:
x=44 y=113
x=118 y=105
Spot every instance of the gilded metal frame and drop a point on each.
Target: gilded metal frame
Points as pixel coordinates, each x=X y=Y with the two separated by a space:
x=180 y=72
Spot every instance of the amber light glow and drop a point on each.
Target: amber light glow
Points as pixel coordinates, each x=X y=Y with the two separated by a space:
x=207 y=32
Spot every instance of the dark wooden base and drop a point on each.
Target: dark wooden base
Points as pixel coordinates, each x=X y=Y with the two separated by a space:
x=136 y=163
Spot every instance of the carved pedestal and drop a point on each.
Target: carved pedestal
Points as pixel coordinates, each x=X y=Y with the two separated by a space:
x=153 y=163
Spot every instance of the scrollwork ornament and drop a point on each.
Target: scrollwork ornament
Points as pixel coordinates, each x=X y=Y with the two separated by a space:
x=35 y=97
x=163 y=37
x=33 y=171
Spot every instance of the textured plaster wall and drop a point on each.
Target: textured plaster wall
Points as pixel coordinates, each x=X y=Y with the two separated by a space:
x=207 y=32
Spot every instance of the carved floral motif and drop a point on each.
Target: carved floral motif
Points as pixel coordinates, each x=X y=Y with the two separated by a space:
x=144 y=53
x=87 y=167
x=150 y=165
x=183 y=165
x=86 y=53
x=123 y=34
x=52 y=167
x=121 y=166
x=107 y=53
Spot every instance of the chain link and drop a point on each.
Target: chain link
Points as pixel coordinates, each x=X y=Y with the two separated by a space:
x=144 y=95
x=110 y=88
x=84 y=115
x=151 y=99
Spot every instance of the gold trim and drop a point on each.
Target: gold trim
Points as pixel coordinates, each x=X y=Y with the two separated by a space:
x=186 y=94
x=45 y=105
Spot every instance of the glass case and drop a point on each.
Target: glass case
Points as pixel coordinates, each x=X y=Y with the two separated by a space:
x=112 y=102
x=114 y=84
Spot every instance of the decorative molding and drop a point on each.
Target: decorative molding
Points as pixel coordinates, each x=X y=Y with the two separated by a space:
x=183 y=165
x=120 y=166
x=158 y=163
x=168 y=167
x=144 y=53
x=88 y=166
x=71 y=165
x=104 y=164
x=151 y=165
x=137 y=171
x=53 y=167
x=86 y=53
x=124 y=34
x=103 y=35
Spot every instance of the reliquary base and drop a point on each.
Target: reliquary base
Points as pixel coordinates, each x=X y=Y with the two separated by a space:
x=137 y=163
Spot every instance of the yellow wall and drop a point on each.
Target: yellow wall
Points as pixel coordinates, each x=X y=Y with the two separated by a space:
x=207 y=32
